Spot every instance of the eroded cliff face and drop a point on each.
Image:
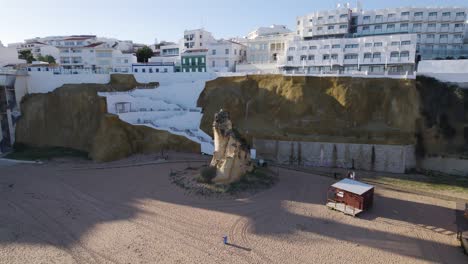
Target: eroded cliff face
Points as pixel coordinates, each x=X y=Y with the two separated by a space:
x=231 y=157
x=354 y=110
x=74 y=116
x=422 y=112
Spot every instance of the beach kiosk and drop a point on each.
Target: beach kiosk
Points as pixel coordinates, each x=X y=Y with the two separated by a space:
x=350 y=197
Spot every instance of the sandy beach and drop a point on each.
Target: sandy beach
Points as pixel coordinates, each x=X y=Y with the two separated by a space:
x=69 y=212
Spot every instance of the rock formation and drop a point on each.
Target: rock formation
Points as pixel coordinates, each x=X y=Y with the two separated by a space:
x=231 y=157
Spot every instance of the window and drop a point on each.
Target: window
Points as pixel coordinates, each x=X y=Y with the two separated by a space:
x=319 y=18
x=227 y=51
x=351 y=46
x=445 y=26
x=395 y=43
x=213 y=64
x=165 y=70
x=458 y=36
x=343 y=15
x=404 y=54
x=365 y=28
x=367 y=55
x=157 y=70
x=336 y=46
x=310 y=30
x=298 y=22
x=459 y=26
x=404 y=13
x=367 y=45
x=377 y=55
x=226 y=64
x=143 y=70
x=304 y=48
x=334 y=56
x=311 y=57
x=343 y=26
x=213 y=52
x=430 y=36
x=378 y=27
x=446 y=14
x=326 y=47
x=391 y=26
x=151 y=70
x=313 y=47
x=290 y=58
x=418 y=14
x=406 y=43
x=331 y=27
x=366 y=18
x=136 y=70
x=417 y=27
x=331 y=17
x=433 y=14
x=404 y=26
x=460 y=14
x=351 y=56
x=326 y=57
x=292 y=48
x=303 y=57
x=394 y=54
x=444 y=36
x=378 y=44
x=431 y=26
x=391 y=15
x=377 y=17
x=319 y=28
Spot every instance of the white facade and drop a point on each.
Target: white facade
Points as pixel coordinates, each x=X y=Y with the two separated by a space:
x=375 y=54
x=224 y=55
x=267 y=31
x=442 y=31
x=197 y=39
x=9 y=55
x=151 y=68
x=336 y=22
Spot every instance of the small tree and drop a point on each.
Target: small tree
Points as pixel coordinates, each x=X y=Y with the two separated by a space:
x=144 y=54
x=26 y=55
x=47 y=58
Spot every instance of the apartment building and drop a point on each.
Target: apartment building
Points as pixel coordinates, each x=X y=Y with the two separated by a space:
x=372 y=54
x=441 y=32
x=266 y=48
x=336 y=23
x=203 y=53
x=224 y=55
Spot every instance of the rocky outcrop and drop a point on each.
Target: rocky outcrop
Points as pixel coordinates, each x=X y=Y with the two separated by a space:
x=74 y=116
x=231 y=157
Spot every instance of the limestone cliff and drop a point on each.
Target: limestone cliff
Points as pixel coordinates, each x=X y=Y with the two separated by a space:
x=74 y=116
x=231 y=157
x=422 y=112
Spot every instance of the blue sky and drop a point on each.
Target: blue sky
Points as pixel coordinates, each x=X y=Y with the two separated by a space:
x=144 y=20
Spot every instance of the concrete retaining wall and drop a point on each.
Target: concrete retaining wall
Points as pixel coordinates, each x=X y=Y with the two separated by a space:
x=446 y=165
x=382 y=158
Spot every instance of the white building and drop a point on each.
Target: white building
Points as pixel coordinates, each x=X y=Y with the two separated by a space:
x=197 y=39
x=151 y=68
x=266 y=49
x=331 y=23
x=224 y=55
x=441 y=31
x=373 y=54
x=201 y=52
x=9 y=55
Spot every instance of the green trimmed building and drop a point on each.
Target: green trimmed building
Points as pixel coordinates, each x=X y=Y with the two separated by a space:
x=194 y=61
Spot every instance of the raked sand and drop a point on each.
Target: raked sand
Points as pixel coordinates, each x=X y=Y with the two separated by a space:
x=53 y=213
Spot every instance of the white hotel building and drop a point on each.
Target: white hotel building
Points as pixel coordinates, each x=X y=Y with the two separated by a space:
x=373 y=54
x=375 y=41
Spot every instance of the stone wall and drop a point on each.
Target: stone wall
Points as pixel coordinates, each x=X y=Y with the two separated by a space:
x=382 y=158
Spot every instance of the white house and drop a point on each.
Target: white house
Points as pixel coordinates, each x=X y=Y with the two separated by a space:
x=9 y=56
x=224 y=55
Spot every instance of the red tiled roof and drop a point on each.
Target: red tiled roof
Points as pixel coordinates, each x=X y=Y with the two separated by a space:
x=78 y=38
x=94 y=45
